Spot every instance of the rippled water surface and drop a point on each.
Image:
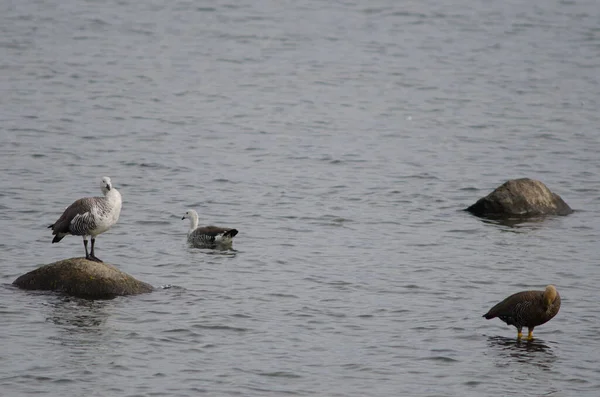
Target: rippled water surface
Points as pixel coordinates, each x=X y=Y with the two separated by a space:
x=342 y=139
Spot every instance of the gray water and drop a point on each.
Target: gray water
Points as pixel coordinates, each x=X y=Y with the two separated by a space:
x=342 y=139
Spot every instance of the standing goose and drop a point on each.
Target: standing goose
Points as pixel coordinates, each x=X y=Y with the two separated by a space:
x=208 y=236
x=527 y=309
x=89 y=216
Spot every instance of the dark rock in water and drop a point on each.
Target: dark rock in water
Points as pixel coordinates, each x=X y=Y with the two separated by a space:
x=82 y=278
x=520 y=198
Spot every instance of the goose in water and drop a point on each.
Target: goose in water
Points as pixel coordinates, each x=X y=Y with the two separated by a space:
x=527 y=309
x=89 y=216
x=208 y=236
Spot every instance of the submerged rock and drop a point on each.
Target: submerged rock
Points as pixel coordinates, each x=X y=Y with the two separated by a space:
x=520 y=198
x=82 y=278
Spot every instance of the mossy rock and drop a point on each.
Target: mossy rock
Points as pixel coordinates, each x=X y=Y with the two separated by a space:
x=520 y=198
x=82 y=278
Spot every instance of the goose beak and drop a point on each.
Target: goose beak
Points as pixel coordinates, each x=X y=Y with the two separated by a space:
x=107 y=187
x=183 y=218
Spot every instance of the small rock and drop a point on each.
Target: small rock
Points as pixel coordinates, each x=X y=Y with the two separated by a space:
x=82 y=278
x=520 y=198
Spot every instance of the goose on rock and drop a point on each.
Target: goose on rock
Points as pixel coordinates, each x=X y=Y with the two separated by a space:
x=208 y=236
x=527 y=309
x=89 y=216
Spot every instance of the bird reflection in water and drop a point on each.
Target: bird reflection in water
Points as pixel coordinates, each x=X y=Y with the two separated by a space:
x=231 y=252
x=228 y=252
x=534 y=351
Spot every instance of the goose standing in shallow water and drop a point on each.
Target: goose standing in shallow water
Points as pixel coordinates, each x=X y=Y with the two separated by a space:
x=527 y=309
x=208 y=236
x=89 y=216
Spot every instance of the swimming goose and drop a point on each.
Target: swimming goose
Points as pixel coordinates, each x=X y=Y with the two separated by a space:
x=208 y=236
x=527 y=309
x=89 y=216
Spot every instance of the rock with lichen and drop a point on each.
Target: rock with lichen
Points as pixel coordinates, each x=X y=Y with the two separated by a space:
x=520 y=198
x=82 y=278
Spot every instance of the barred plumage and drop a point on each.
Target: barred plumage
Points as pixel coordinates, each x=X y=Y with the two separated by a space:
x=81 y=224
x=89 y=216
x=527 y=309
x=208 y=236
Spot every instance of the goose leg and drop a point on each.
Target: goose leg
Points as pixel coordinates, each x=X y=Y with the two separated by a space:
x=87 y=256
x=519 y=332
x=92 y=256
x=530 y=334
